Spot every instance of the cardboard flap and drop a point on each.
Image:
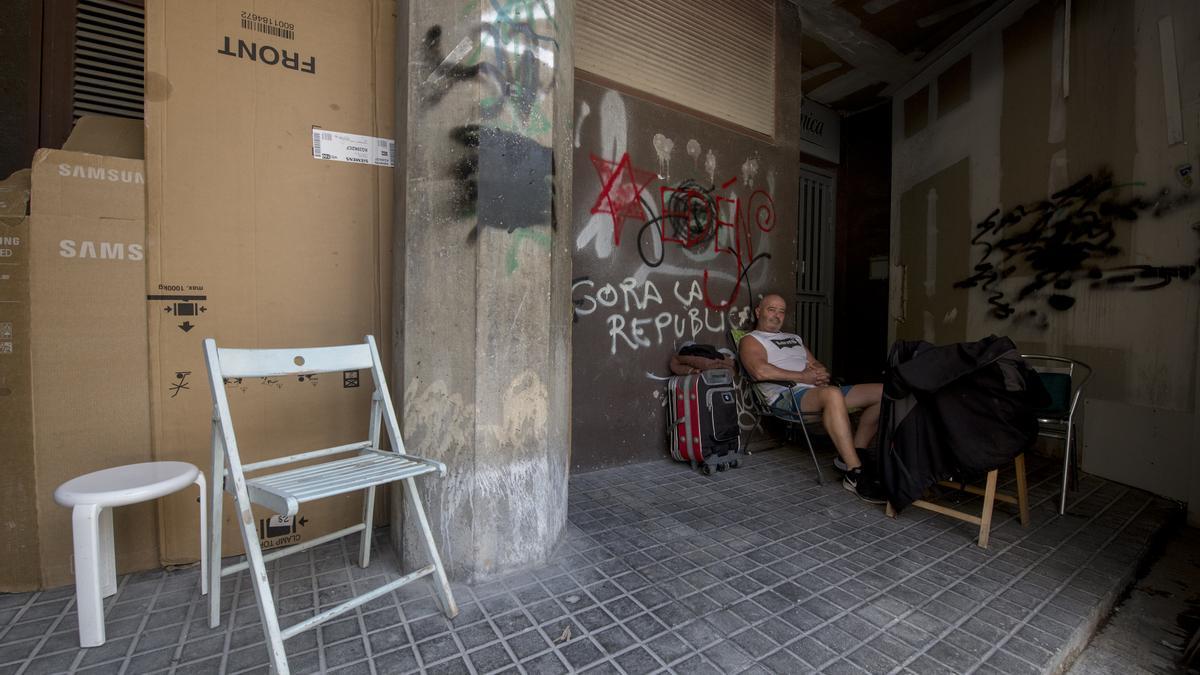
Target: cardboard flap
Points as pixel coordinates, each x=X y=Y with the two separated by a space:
x=14 y=195
x=68 y=183
x=111 y=136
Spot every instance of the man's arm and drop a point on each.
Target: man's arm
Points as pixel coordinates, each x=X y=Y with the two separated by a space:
x=754 y=359
x=813 y=363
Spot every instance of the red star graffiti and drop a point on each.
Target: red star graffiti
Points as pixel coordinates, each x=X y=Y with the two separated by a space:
x=621 y=195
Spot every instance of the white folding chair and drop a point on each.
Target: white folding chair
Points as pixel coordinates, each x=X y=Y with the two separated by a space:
x=365 y=467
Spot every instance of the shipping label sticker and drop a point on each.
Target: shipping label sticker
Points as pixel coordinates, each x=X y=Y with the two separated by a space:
x=353 y=148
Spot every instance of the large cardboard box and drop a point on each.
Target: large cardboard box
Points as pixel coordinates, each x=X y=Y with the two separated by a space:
x=270 y=202
x=73 y=368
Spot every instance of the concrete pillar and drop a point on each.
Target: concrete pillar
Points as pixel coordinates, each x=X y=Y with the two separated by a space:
x=483 y=275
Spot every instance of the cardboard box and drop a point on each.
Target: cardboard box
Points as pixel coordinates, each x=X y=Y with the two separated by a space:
x=73 y=369
x=260 y=239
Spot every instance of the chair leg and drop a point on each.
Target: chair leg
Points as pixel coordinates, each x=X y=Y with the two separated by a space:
x=85 y=530
x=989 y=500
x=441 y=583
x=750 y=440
x=812 y=453
x=108 y=554
x=1062 y=503
x=262 y=587
x=1022 y=489
x=1073 y=482
x=364 y=546
x=216 y=503
x=200 y=483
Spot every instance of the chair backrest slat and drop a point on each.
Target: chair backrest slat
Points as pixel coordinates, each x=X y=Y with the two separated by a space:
x=278 y=362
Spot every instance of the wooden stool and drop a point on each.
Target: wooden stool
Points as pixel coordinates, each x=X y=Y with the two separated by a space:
x=990 y=495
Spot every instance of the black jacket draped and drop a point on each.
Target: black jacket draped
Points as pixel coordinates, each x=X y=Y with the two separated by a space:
x=954 y=412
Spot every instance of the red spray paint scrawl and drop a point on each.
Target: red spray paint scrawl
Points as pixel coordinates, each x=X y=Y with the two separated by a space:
x=689 y=216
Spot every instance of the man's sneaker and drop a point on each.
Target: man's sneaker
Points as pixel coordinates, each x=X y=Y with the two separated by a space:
x=863 y=487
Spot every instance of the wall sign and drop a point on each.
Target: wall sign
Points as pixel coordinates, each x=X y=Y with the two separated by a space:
x=820 y=131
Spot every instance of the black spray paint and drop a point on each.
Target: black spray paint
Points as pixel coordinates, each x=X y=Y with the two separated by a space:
x=506 y=179
x=1063 y=241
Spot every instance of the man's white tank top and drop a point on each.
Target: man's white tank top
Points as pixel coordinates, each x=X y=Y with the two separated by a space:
x=784 y=350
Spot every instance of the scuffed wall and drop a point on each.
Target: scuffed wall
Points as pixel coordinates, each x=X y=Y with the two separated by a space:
x=1050 y=205
x=679 y=224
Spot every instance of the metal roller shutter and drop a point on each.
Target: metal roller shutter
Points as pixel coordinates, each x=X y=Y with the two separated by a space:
x=713 y=56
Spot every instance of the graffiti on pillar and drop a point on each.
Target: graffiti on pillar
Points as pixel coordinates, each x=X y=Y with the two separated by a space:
x=540 y=240
x=504 y=174
x=1060 y=245
x=512 y=52
x=513 y=173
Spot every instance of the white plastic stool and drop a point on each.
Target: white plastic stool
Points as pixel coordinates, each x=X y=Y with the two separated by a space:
x=93 y=497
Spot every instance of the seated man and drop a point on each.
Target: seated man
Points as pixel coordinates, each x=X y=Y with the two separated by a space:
x=768 y=353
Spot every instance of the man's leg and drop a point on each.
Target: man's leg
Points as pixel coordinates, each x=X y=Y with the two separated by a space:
x=832 y=405
x=867 y=397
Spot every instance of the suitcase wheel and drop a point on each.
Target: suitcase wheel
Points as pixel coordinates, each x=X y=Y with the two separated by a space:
x=720 y=467
x=733 y=464
x=706 y=469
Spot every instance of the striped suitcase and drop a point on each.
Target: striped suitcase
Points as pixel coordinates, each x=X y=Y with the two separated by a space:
x=703 y=416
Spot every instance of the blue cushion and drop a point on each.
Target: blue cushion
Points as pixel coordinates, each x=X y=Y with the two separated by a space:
x=1059 y=386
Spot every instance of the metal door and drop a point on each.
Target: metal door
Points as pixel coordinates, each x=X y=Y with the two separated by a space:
x=814 y=255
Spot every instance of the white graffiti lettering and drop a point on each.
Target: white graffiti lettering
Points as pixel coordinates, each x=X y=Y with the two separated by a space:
x=628 y=327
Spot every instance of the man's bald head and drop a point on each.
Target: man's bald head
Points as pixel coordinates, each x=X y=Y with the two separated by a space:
x=770 y=313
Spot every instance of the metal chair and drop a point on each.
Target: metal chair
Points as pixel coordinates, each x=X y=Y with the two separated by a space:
x=1059 y=375
x=790 y=413
x=366 y=467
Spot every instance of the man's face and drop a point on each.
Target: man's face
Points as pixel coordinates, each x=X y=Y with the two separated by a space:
x=771 y=313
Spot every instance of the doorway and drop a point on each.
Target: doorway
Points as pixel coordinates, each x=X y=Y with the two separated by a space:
x=814 y=264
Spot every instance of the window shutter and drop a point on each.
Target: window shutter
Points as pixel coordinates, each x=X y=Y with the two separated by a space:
x=713 y=56
x=109 y=59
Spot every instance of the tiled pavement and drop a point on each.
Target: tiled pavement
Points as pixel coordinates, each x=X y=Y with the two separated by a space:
x=753 y=570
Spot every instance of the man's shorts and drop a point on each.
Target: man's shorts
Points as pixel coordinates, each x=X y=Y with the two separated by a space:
x=797 y=394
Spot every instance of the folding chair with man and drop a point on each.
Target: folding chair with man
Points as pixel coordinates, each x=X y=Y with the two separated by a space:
x=796 y=388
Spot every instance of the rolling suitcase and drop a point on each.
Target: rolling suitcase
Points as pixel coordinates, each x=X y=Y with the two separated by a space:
x=703 y=418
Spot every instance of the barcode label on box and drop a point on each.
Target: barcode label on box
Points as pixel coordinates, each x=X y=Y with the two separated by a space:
x=269 y=30
x=354 y=148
